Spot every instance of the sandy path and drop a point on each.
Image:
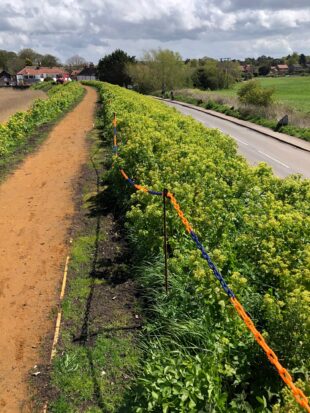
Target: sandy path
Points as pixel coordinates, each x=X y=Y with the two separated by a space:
x=14 y=100
x=36 y=206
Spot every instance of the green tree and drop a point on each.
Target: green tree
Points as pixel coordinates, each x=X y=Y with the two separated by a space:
x=113 y=68
x=28 y=62
x=160 y=69
x=228 y=73
x=252 y=93
x=5 y=58
x=15 y=65
x=216 y=75
x=167 y=67
x=302 y=60
x=292 y=59
x=141 y=76
x=263 y=70
x=49 y=60
x=206 y=77
x=30 y=56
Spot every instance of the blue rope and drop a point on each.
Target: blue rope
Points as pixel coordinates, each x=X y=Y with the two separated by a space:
x=155 y=192
x=151 y=192
x=215 y=271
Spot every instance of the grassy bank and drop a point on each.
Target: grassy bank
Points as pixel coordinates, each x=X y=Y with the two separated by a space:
x=267 y=117
x=291 y=98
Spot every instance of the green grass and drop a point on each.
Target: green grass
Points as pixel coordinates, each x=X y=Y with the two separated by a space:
x=291 y=90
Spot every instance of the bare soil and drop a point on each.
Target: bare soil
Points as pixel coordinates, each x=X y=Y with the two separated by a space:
x=36 y=210
x=15 y=100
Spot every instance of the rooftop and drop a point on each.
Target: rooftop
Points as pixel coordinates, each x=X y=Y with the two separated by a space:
x=88 y=71
x=40 y=70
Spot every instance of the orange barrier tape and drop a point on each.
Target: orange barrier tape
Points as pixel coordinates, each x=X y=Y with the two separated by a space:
x=285 y=375
x=179 y=211
x=139 y=187
x=124 y=175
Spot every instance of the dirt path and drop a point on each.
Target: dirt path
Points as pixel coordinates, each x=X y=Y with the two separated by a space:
x=14 y=100
x=36 y=206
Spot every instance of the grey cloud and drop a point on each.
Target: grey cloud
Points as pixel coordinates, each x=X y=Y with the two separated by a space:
x=233 y=5
x=194 y=27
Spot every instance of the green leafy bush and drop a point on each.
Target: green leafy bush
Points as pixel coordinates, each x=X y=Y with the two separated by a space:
x=252 y=93
x=256 y=228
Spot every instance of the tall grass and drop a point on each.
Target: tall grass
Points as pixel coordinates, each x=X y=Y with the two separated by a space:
x=274 y=112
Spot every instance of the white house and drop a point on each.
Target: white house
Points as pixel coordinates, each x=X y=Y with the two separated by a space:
x=34 y=74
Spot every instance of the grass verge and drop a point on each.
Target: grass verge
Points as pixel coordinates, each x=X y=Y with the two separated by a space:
x=248 y=113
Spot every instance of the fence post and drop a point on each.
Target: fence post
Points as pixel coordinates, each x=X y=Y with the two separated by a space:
x=165 y=192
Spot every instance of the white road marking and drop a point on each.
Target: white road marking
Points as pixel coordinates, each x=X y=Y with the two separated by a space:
x=244 y=143
x=274 y=159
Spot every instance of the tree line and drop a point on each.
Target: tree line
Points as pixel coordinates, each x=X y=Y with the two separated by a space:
x=13 y=62
x=159 y=69
x=165 y=70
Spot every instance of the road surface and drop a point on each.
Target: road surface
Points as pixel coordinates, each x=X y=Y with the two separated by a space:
x=256 y=147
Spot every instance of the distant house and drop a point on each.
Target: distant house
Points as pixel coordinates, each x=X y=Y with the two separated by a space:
x=273 y=70
x=296 y=68
x=282 y=69
x=5 y=78
x=247 y=68
x=88 y=73
x=34 y=74
x=75 y=73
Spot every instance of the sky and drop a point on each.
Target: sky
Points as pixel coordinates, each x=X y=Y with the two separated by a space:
x=194 y=28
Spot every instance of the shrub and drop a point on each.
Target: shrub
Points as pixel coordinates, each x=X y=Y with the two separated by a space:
x=253 y=93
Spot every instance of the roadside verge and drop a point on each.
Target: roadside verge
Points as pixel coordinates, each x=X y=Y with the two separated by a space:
x=290 y=140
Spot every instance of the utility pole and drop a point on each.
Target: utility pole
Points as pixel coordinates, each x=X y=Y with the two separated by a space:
x=224 y=60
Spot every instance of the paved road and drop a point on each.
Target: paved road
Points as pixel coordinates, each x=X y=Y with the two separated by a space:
x=256 y=147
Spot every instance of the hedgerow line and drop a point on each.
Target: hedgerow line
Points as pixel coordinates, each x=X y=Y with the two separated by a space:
x=272 y=357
